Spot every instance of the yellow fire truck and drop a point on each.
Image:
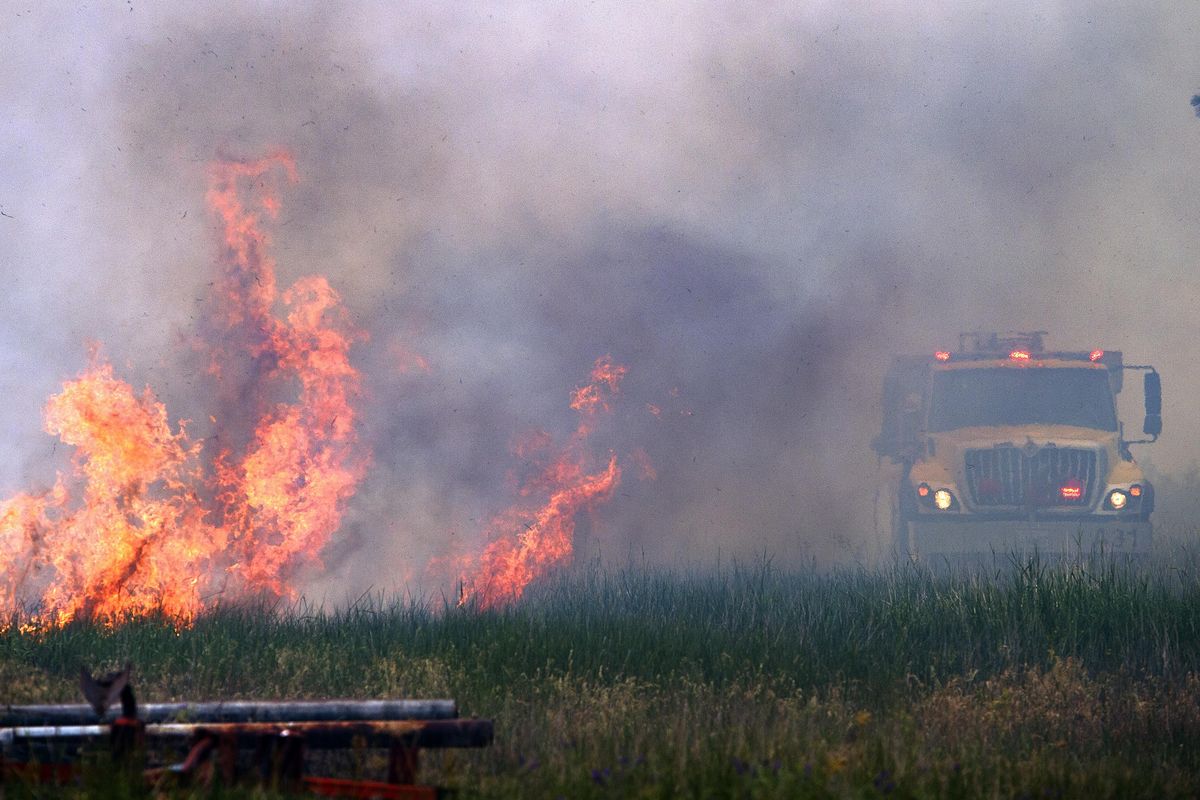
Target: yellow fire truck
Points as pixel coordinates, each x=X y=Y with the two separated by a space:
x=1004 y=447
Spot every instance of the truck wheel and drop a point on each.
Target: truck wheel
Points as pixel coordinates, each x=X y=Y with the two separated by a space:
x=881 y=530
x=891 y=527
x=900 y=541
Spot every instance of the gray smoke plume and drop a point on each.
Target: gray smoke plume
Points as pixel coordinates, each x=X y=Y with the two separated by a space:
x=750 y=208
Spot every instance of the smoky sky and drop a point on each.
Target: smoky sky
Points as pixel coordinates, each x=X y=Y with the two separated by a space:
x=750 y=208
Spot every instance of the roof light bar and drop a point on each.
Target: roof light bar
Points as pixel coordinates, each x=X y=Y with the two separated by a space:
x=1023 y=354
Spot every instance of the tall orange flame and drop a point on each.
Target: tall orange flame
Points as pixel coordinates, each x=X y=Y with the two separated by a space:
x=137 y=540
x=530 y=541
x=129 y=531
x=303 y=464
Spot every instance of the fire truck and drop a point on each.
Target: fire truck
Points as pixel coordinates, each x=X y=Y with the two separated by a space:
x=1004 y=447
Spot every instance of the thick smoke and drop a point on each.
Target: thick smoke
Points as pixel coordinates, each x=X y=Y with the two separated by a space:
x=750 y=209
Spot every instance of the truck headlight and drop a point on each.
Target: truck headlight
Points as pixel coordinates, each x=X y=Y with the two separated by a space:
x=943 y=499
x=1117 y=500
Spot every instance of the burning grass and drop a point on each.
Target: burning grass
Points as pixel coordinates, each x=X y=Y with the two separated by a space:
x=149 y=519
x=748 y=682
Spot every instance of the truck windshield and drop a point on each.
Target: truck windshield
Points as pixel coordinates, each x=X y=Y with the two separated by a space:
x=964 y=398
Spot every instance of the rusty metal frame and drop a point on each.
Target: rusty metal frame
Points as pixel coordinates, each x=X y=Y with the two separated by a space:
x=217 y=735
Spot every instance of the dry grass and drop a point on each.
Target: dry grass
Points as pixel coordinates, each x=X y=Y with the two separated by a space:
x=751 y=684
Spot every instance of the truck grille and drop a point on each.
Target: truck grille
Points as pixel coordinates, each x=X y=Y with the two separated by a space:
x=1008 y=476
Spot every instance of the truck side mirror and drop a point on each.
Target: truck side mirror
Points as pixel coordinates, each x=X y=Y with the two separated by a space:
x=1153 y=425
x=1152 y=385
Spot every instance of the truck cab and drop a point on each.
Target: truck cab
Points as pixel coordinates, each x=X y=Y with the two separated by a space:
x=1006 y=448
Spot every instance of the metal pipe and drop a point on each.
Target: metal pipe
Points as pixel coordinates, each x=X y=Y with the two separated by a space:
x=236 y=711
x=414 y=733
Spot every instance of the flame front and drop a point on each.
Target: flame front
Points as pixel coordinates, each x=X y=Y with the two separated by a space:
x=303 y=464
x=148 y=520
x=530 y=541
x=136 y=541
x=133 y=529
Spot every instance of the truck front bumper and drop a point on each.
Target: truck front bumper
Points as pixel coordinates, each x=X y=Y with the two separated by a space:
x=965 y=536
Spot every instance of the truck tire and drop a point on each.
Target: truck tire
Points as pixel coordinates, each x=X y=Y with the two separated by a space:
x=901 y=543
x=891 y=527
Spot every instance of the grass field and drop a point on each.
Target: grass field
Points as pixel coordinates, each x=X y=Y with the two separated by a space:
x=748 y=682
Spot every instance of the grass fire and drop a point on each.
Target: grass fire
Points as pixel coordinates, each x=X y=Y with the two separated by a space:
x=672 y=400
x=150 y=521
x=163 y=525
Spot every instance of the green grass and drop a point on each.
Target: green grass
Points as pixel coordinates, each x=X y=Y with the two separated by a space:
x=749 y=682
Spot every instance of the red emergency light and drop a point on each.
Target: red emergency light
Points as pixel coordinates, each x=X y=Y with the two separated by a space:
x=1096 y=355
x=1071 y=491
x=1019 y=355
x=942 y=355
